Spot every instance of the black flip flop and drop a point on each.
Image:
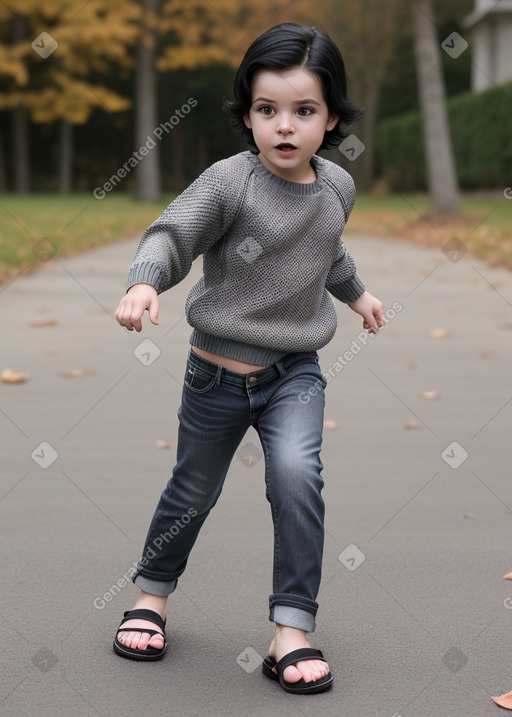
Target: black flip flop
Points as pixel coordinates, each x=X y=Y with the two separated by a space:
x=150 y=654
x=275 y=670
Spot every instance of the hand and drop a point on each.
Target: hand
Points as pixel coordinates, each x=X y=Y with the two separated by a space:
x=132 y=306
x=370 y=309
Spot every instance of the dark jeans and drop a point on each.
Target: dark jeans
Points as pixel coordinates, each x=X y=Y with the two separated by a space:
x=285 y=404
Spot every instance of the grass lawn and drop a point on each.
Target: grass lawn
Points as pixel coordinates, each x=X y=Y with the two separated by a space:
x=484 y=225
x=35 y=228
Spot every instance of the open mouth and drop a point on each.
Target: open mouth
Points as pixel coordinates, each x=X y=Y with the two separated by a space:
x=286 y=147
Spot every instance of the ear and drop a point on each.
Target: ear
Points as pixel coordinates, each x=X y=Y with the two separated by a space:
x=247 y=121
x=332 y=122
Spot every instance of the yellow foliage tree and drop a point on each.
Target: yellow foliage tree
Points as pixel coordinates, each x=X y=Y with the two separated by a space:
x=205 y=32
x=47 y=70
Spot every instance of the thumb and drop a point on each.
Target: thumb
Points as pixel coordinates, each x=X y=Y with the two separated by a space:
x=154 y=308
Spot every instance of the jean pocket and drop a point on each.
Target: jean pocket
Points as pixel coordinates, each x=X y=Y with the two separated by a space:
x=198 y=381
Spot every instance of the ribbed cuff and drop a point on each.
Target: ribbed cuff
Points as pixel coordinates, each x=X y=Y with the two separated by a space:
x=147 y=272
x=256 y=355
x=349 y=290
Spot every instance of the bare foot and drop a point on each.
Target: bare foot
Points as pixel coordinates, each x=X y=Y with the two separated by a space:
x=140 y=640
x=287 y=639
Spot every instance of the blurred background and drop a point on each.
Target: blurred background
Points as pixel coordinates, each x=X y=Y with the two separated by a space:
x=109 y=108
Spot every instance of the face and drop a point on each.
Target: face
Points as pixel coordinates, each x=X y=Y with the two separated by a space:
x=288 y=118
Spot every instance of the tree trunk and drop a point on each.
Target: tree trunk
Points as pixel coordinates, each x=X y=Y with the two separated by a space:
x=442 y=179
x=66 y=158
x=178 y=157
x=147 y=175
x=366 y=166
x=20 y=139
x=3 y=173
x=21 y=150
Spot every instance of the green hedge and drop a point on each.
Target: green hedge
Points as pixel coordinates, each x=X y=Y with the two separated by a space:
x=481 y=129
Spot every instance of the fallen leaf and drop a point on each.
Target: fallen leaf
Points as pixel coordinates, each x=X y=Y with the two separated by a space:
x=508 y=576
x=38 y=323
x=504 y=700
x=77 y=372
x=162 y=444
x=330 y=424
x=439 y=333
x=8 y=376
x=430 y=395
x=412 y=425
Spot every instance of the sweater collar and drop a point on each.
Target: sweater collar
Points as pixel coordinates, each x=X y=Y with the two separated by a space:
x=284 y=184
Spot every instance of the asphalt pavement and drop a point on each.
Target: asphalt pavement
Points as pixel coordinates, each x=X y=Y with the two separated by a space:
x=415 y=616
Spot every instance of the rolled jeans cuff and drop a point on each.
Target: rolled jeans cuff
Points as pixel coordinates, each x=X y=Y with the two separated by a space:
x=293 y=611
x=154 y=587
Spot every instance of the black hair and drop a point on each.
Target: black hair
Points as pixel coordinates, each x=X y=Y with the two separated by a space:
x=286 y=46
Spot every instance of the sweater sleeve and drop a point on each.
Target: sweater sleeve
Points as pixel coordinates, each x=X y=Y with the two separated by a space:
x=342 y=280
x=190 y=225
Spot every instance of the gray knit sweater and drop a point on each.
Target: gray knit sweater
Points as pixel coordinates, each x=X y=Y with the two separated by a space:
x=272 y=252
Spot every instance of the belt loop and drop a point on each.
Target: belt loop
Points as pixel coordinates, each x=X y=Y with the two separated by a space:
x=280 y=368
x=218 y=375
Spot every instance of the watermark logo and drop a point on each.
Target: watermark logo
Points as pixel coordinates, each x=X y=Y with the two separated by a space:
x=352 y=147
x=352 y=557
x=143 y=151
x=454 y=659
x=44 y=659
x=454 y=45
x=44 y=45
x=146 y=352
x=44 y=455
x=358 y=344
x=454 y=455
x=454 y=249
x=249 y=660
x=249 y=455
x=249 y=249
x=44 y=249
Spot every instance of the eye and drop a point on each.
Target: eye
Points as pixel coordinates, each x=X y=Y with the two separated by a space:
x=266 y=110
x=305 y=111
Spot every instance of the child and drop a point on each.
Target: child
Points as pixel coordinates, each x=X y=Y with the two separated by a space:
x=269 y=224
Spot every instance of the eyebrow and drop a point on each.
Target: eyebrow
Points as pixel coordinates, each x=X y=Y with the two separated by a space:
x=297 y=102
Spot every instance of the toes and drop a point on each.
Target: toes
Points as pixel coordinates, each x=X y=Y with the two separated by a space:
x=157 y=641
x=140 y=640
x=308 y=670
x=292 y=674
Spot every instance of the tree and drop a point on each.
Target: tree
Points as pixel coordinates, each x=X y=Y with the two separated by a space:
x=147 y=173
x=366 y=34
x=87 y=39
x=442 y=180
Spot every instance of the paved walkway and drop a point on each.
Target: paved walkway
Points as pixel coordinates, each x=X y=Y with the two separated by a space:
x=413 y=606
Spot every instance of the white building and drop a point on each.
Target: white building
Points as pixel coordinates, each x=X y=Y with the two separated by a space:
x=490 y=24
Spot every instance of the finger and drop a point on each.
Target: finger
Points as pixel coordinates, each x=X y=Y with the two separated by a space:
x=154 y=308
x=123 y=314
x=371 y=324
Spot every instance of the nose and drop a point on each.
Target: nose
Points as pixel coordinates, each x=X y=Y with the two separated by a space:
x=285 y=124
